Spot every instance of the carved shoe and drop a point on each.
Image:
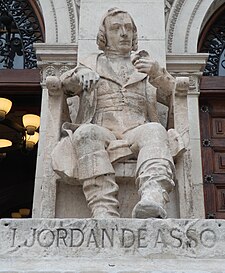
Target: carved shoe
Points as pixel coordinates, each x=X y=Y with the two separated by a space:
x=148 y=209
x=152 y=203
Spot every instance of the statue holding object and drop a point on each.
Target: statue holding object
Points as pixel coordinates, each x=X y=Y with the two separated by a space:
x=117 y=119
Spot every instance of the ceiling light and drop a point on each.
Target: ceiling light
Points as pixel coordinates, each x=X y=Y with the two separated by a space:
x=31 y=140
x=5 y=106
x=31 y=123
x=5 y=143
x=25 y=134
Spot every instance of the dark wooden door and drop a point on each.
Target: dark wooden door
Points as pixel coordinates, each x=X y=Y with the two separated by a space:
x=212 y=125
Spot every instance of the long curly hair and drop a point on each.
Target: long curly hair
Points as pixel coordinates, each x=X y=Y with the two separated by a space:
x=101 y=36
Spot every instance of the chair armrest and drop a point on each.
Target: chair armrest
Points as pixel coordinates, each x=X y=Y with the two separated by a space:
x=58 y=111
x=53 y=85
x=180 y=108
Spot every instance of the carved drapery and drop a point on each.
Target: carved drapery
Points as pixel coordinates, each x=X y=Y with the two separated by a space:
x=19 y=29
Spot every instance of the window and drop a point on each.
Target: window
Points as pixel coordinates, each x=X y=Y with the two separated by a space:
x=21 y=25
x=213 y=42
x=19 y=29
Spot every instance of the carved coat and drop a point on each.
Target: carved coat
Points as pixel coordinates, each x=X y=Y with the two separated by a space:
x=137 y=82
x=152 y=90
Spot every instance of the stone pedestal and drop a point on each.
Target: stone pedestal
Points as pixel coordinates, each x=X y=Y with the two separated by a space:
x=118 y=246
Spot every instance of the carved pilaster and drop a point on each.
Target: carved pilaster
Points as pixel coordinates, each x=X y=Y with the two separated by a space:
x=191 y=66
x=53 y=60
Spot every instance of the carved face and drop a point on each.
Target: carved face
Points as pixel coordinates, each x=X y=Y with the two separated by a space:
x=119 y=33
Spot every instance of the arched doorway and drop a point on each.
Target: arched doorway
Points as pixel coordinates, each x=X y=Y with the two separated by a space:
x=212 y=115
x=21 y=25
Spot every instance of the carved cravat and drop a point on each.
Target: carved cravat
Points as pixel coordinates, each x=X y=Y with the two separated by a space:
x=122 y=68
x=123 y=73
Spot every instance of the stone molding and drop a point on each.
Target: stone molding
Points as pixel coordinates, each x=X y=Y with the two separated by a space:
x=61 y=20
x=72 y=17
x=184 y=24
x=55 y=59
x=214 y=6
x=172 y=22
x=77 y=2
x=55 y=21
x=197 y=5
x=168 y=5
x=186 y=63
x=38 y=2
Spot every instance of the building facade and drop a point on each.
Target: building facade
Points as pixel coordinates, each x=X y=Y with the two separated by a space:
x=185 y=36
x=180 y=31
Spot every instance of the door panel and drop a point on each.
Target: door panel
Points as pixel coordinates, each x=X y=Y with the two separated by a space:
x=218 y=127
x=212 y=126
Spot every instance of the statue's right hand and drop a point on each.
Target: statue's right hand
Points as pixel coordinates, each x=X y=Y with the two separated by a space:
x=87 y=78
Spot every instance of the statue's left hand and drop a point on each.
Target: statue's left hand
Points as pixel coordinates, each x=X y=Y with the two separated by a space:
x=145 y=64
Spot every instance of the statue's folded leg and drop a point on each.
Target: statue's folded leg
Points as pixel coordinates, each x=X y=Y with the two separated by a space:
x=155 y=171
x=95 y=170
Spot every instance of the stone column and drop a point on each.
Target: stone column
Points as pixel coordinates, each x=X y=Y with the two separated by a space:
x=190 y=184
x=53 y=60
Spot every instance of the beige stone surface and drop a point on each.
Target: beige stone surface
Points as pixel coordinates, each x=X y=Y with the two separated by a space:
x=61 y=21
x=119 y=245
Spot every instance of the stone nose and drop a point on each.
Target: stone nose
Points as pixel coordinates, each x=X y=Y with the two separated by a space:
x=123 y=32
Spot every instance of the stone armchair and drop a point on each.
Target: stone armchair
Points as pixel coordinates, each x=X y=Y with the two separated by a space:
x=62 y=195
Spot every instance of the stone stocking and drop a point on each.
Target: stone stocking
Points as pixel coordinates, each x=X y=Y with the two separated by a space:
x=155 y=181
x=101 y=195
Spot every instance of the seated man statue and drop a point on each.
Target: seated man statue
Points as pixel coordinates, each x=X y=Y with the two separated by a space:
x=117 y=119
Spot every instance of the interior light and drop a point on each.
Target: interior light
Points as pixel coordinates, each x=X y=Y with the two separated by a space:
x=2 y=155
x=31 y=123
x=24 y=212
x=16 y=215
x=5 y=143
x=5 y=106
x=31 y=140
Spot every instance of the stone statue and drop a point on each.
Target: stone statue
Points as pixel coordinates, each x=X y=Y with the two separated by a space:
x=117 y=119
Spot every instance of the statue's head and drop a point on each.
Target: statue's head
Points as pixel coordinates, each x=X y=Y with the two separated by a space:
x=117 y=32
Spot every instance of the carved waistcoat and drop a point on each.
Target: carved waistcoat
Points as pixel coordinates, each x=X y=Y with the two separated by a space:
x=113 y=104
x=120 y=108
